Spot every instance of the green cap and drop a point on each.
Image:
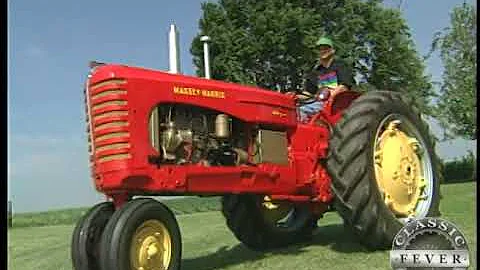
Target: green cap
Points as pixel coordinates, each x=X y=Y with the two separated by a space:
x=324 y=41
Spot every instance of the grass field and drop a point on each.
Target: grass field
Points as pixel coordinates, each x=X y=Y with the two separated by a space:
x=208 y=244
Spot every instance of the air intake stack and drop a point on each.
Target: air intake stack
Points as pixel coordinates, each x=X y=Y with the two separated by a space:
x=173 y=48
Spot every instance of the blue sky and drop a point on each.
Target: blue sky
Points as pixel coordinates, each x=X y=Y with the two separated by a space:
x=49 y=47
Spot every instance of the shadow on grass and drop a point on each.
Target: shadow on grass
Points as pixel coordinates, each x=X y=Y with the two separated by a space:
x=334 y=237
x=223 y=257
x=337 y=238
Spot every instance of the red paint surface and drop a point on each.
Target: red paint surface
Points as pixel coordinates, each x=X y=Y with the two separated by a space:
x=303 y=179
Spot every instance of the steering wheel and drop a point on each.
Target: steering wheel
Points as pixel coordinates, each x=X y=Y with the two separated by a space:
x=305 y=97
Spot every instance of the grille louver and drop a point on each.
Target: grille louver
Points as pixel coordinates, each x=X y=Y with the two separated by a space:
x=108 y=113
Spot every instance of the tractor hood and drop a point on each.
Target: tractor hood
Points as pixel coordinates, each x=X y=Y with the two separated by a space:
x=147 y=88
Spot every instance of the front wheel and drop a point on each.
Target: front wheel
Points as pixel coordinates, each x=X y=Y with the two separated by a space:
x=86 y=236
x=383 y=167
x=143 y=234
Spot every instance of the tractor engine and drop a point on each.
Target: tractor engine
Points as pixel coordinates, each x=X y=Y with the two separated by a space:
x=185 y=134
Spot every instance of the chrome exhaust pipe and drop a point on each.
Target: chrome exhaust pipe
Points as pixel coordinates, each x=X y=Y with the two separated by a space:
x=173 y=49
x=206 y=60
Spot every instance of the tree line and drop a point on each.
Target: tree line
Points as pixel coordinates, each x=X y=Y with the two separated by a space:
x=462 y=169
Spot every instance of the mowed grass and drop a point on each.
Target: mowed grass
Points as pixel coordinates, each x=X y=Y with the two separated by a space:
x=208 y=244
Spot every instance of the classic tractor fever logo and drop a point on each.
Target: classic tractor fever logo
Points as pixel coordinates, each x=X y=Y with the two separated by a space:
x=429 y=243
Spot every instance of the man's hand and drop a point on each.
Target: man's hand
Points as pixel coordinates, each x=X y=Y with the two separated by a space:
x=333 y=90
x=338 y=89
x=291 y=93
x=304 y=95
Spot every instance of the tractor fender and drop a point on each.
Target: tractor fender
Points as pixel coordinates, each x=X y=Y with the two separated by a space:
x=336 y=104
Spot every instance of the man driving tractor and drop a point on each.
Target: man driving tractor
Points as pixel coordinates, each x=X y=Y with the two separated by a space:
x=330 y=73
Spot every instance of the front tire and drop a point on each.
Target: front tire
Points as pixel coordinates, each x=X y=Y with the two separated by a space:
x=383 y=167
x=261 y=224
x=86 y=236
x=142 y=234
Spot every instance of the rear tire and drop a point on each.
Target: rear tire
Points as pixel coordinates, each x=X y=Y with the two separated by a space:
x=355 y=175
x=86 y=236
x=142 y=233
x=258 y=228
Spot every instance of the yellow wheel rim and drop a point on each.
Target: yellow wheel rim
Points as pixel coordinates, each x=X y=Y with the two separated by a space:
x=403 y=170
x=151 y=247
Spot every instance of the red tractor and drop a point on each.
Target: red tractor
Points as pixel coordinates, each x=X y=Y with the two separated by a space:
x=151 y=133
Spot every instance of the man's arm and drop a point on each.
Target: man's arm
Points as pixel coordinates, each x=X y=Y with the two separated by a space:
x=310 y=83
x=344 y=76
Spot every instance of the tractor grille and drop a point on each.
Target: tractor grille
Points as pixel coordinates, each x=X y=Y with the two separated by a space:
x=107 y=116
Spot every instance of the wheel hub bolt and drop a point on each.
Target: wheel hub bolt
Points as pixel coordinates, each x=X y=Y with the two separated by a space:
x=152 y=251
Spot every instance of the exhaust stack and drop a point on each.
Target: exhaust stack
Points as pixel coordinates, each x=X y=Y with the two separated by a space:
x=205 y=40
x=174 y=56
